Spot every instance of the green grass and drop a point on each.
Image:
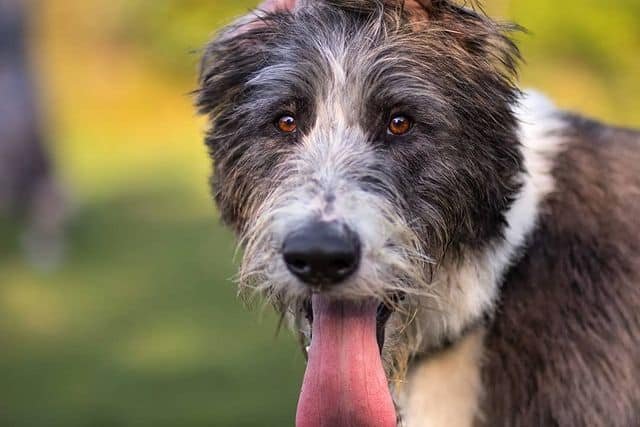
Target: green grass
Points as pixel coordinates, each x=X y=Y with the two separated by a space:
x=141 y=327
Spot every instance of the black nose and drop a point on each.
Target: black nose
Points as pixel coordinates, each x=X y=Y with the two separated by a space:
x=322 y=253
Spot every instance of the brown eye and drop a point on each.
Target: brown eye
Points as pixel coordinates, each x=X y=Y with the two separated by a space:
x=400 y=125
x=287 y=124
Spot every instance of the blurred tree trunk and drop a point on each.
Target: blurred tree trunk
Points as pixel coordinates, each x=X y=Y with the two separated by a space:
x=27 y=188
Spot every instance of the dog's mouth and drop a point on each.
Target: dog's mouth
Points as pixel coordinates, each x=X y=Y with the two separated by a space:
x=345 y=382
x=383 y=313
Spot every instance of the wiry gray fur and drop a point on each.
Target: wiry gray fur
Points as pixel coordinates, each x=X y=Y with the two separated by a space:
x=344 y=69
x=445 y=213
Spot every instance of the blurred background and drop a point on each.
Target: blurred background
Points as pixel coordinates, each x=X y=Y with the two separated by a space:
x=116 y=305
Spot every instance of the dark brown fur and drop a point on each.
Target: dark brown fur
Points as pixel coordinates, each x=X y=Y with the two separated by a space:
x=564 y=349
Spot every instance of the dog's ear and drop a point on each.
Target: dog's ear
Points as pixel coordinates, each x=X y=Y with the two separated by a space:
x=237 y=52
x=254 y=19
x=419 y=6
x=420 y=10
x=275 y=5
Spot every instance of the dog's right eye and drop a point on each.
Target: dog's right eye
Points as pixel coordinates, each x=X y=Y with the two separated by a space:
x=286 y=124
x=399 y=125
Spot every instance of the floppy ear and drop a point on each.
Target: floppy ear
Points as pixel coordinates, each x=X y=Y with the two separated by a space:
x=429 y=9
x=275 y=5
x=237 y=51
x=419 y=6
x=253 y=19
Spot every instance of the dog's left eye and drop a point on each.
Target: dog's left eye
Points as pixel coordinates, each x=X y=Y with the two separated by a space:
x=399 y=125
x=286 y=124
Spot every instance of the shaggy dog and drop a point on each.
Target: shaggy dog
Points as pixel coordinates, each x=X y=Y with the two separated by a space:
x=451 y=250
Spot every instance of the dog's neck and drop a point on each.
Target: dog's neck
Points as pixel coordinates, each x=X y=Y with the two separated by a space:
x=443 y=385
x=467 y=290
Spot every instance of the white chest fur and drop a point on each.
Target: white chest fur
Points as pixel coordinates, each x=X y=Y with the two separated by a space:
x=445 y=390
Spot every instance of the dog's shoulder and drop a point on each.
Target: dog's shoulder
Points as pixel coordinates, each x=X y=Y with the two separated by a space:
x=563 y=349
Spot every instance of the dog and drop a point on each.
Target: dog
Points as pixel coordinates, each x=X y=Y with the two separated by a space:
x=451 y=250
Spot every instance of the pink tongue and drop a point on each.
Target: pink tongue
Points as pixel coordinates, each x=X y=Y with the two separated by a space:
x=345 y=384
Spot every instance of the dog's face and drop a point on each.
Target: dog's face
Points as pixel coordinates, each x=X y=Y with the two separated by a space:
x=359 y=148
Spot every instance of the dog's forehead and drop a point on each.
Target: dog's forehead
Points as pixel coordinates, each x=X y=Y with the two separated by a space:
x=311 y=50
x=335 y=70
x=360 y=67
x=326 y=41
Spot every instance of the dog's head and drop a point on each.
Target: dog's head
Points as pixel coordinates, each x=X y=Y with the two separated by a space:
x=363 y=150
